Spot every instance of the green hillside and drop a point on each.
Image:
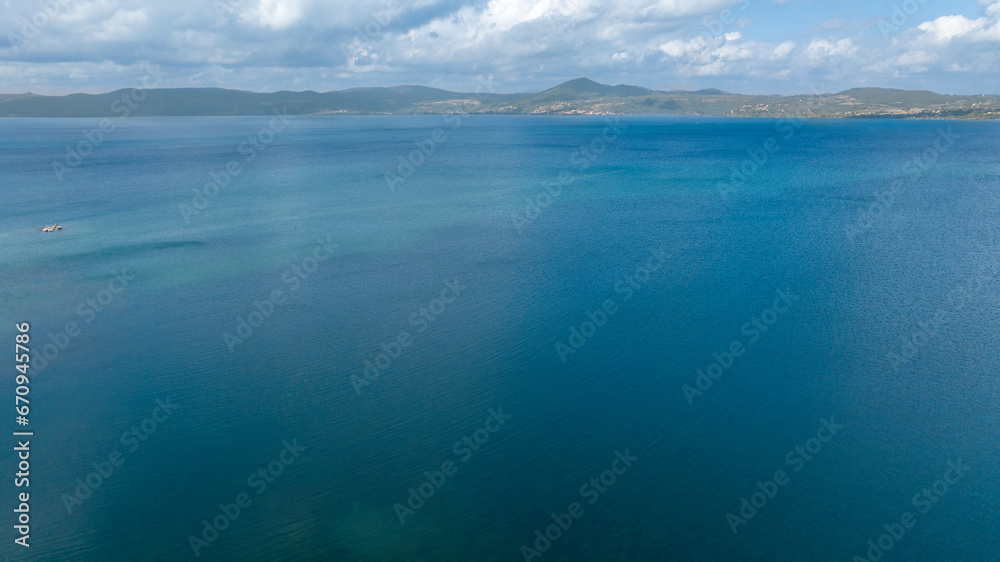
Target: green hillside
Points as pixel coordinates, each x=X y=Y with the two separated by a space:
x=579 y=96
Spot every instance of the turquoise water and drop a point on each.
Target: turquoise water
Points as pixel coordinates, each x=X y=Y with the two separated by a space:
x=614 y=197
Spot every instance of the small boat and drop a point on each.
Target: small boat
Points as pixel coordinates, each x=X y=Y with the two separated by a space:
x=52 y=228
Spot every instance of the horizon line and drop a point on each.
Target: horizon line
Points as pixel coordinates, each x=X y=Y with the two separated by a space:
x=488 y=93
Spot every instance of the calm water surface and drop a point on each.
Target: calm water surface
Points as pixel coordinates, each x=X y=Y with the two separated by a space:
x=886 y=324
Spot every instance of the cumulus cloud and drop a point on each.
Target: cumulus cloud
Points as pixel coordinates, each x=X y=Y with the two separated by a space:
x=946 y=28
x=952 y=43
x=981 y=30
x=275 y=14
x=93 y=45
x=823 y=50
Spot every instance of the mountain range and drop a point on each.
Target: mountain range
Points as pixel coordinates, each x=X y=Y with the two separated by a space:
x=576 y=97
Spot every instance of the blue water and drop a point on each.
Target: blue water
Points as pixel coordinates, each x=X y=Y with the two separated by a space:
x=650 y=184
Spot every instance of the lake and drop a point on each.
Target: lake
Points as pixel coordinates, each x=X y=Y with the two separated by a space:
x=506 y=338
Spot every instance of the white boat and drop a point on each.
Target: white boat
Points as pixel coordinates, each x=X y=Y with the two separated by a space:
x=52 y=228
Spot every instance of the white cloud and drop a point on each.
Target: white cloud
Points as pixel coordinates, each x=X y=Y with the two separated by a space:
x=527 y=44
x=274 y=14
x=123 y=25
x=784 y=49
x=729 y=55
x=821 y=49
x=679 y=47
x=946 y=28
x=952 y=43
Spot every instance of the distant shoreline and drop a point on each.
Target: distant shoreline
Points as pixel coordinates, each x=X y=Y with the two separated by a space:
x=665 y=115
x=576 y=97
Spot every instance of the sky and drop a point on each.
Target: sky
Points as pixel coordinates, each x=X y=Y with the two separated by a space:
x=505 y=46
